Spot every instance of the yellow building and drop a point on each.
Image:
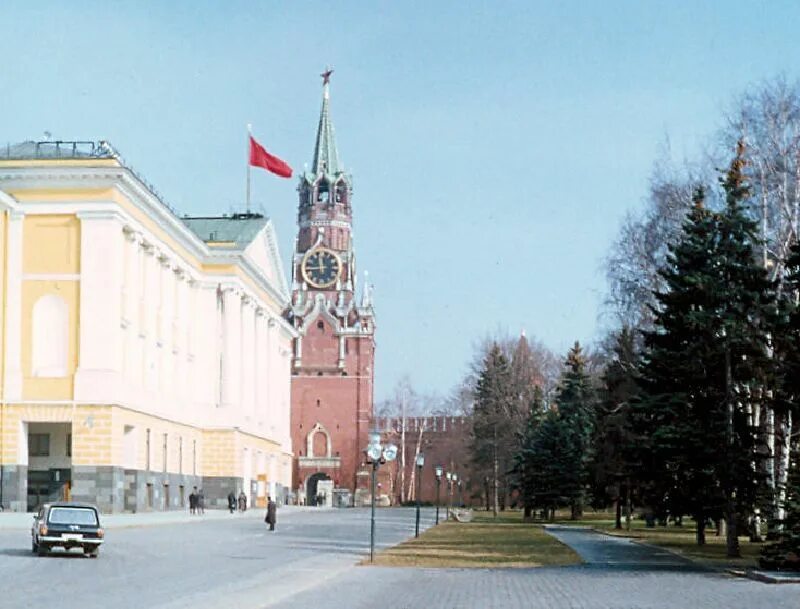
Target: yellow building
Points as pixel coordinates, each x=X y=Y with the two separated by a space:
x=142 y=354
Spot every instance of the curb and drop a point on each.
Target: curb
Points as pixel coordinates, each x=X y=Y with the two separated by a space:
x=766 y=577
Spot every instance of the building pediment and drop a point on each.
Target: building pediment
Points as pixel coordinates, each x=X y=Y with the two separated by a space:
x=263 y=252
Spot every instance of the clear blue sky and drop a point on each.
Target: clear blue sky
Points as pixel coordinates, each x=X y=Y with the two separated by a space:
x=495 y=146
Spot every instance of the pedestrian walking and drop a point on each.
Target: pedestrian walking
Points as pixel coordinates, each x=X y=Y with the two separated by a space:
x=242 y=502
x=193 y=501
x=272 y=514
x=201 y=502
x=231 y=502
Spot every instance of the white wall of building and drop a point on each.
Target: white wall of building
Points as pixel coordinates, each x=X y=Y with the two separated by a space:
x=157 y=333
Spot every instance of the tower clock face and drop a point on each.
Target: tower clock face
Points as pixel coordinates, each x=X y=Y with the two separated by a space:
x=321 y=268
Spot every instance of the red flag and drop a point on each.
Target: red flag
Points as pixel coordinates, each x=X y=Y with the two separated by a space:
x=261 y=158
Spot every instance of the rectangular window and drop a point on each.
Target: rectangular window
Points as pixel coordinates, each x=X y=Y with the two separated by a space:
x=147 y=451
x=129 y=447
x=164 y=457
x=39 y=445
x=69 y=444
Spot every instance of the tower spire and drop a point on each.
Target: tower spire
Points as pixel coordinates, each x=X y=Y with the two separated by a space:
x=326 y=157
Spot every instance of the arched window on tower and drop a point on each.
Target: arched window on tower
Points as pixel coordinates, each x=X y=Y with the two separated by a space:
x=50 y=337
x=318 y=442
x=341 y=192
x=323 y=192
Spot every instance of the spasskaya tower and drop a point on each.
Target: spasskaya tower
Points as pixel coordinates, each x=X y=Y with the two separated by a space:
x=332 y=367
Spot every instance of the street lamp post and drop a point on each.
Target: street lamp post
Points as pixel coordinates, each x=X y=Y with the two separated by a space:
x=376 y=454
x=460 y=496
x=439 y=470
x=420 y=461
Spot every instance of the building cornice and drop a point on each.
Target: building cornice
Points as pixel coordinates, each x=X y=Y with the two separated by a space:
x=132 y=188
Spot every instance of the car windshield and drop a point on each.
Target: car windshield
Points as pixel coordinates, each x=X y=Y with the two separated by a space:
x=68 y=515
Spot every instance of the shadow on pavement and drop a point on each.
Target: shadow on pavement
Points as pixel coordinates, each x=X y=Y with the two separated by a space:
x=16 y=552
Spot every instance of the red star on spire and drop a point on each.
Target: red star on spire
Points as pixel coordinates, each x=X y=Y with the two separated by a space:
x=326 y=76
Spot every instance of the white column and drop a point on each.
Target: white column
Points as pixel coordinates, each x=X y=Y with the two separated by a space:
x=100 y=346
x=285 y=380
x=261 y=372
x=206 y=339
x=271 y=371
x=232 y=349
x=248 y=357
x=12 y=383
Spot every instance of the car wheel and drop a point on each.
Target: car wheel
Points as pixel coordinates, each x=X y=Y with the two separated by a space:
x=34 y=547
x=41 y=549
x=92 y=553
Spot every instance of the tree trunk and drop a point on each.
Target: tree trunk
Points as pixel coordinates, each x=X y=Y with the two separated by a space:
x=783 y=466
x=495 y=468
x=618 y=510
x=403 y=450
x=731 y=538
x=701 y=529
x=629 y=500
x=412 y=487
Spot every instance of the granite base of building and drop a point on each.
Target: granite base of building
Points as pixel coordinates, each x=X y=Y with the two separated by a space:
x=14 y=488
x=149 y=491
x=115 y=489
x=216 y=489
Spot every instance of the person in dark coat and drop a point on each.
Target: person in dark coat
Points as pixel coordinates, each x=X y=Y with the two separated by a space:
x=242 y=502
x=201 y=502
x=231 y=502
x=193 y=501
x=272 y=514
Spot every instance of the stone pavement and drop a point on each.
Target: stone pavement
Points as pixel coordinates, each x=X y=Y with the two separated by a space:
x=22 y=520
x=219 y=561
x=618 y=574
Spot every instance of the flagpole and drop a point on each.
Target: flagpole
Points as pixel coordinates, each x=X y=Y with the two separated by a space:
x=247 y=197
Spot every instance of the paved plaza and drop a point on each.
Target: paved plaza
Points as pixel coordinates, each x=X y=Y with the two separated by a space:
x=173 y=561
x=618 y=574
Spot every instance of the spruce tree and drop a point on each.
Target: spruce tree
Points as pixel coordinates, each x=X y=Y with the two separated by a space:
x=704 y=360
x=746 y=304
x=575 y=399
x=676 y=426
x=493 y=422
x=611 y=471
x=525 y=463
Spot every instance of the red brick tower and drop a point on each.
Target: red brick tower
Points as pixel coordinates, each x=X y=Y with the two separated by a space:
x=332 y=382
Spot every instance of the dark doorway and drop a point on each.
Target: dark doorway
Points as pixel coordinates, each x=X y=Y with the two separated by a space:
x=48 y=486
x=311 y=487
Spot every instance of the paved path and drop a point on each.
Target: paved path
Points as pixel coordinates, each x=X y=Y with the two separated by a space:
x=619 y=553
x=618 y=574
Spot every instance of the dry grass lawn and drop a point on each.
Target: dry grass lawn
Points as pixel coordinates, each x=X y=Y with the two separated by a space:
x=484 y=542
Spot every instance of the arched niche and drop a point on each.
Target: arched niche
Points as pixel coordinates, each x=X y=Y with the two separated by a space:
x=313 y=442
